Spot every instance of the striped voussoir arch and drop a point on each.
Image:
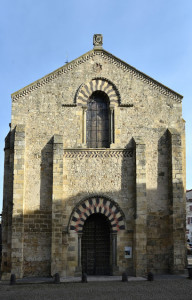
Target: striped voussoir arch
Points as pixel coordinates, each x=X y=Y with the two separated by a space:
x=86 y=90
x=97 y=205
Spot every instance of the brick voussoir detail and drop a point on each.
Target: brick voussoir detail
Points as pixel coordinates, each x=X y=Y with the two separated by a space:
x=97 y=205
x=101 y=84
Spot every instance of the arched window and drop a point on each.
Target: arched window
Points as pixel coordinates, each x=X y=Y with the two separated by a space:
x=97 y=121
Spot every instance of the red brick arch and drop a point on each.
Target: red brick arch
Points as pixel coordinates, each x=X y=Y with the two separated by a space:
x=98 y=84
x=93 y=205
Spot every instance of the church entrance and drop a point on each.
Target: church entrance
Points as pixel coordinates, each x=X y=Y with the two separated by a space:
x=96 y=245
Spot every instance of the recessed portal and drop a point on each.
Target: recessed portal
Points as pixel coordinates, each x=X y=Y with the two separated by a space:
x=96 y=245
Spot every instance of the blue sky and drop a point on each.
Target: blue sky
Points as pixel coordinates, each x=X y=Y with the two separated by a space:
x=38 y=36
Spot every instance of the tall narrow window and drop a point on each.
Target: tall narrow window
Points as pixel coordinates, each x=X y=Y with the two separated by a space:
x=97 y=123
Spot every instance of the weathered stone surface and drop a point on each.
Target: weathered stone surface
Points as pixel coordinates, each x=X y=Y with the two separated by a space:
x=49 y=171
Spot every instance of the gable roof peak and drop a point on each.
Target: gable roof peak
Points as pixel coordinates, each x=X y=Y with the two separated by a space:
x=110 y=58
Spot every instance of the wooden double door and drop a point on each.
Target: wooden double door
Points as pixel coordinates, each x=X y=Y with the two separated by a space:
x=96 y=245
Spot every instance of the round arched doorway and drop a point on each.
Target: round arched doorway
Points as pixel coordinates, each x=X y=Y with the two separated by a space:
x=95 y=257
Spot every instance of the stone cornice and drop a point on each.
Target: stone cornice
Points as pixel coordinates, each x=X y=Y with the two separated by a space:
x=140 y=75
x=106 y=56
x=52 y=76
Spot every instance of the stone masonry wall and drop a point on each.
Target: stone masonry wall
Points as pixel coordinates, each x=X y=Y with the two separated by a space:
x=47 y=108
x=37 y=234
x=105 y=173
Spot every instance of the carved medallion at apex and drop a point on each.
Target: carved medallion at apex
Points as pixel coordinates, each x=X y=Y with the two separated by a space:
x=97 y=40
x=97 y=149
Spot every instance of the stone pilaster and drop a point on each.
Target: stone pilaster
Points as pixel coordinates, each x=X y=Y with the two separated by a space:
x=115 y=268
x=7 y=207
x=78 y=270
x=18 y=202
x=84 y=120
x=177 y=204
x=140 y=234
x=57 y=195
x=111 y=118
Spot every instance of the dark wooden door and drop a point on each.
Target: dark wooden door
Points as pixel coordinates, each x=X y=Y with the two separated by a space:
x=96 y=245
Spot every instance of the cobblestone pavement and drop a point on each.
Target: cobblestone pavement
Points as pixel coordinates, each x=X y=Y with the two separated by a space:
x=163 y=287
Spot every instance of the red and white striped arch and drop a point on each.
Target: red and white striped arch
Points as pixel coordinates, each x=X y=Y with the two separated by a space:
x=98 y=84
x=95 y=205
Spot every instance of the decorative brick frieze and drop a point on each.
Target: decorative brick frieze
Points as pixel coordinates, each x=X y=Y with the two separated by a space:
x=77 y=153
x=69 y=105
x=126 y=105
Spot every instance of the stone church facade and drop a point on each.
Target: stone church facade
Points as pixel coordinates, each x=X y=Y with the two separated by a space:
x=94 y=174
